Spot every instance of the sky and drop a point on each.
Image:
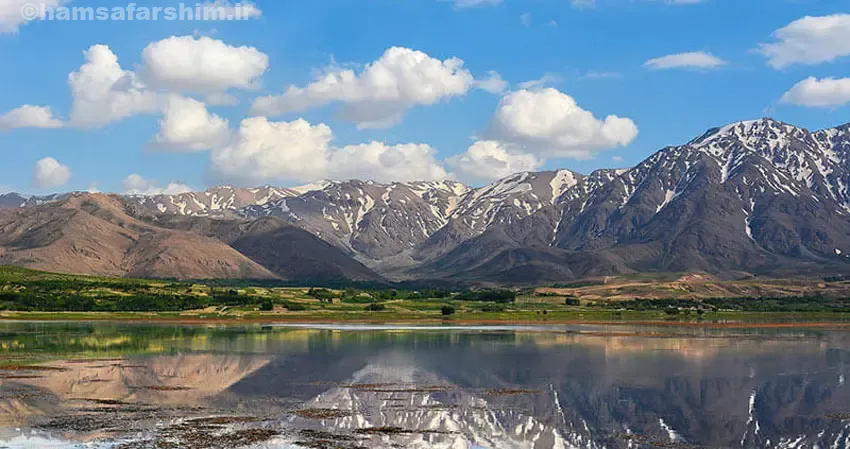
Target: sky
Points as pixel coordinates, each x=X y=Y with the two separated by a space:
x=394 y=90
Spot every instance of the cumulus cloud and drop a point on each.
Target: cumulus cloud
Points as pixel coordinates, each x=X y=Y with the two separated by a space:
x=810 y=40
x=103 y=92
x=380 y=93
x=11 y=17
x=188 y=125
x=137 y=185
x=49 y=173
x=819 y=93
x=487 y=160
x=550 y=123
x=385 y=163
x=692 y=60
x=265 y=151
x=202 y=64
x=29 y=116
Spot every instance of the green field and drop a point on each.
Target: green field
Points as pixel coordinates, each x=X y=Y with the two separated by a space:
x=35 y=295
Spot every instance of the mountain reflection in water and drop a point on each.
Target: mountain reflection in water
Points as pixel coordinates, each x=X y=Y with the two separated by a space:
x=132 y=387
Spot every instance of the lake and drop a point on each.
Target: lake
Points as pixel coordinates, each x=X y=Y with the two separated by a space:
x=138 y=386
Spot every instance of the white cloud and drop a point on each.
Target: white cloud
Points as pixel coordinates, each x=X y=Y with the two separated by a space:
x=188 y=125
x=493 y=83
x=103 y=92
x=546 y=80
x=810 y=40
x=201 y=64
x=693 y=60
x=385 y=163
x=550 y=123
x=267 y=151
x=29 y=116
x=221 y=99
x=380 y=93
x=487 y=160
x=137 y=185
x=11 y=17
x=819 y=93
x=49 y=173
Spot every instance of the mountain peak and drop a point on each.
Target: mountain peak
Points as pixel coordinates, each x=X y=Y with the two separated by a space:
x=763 y=128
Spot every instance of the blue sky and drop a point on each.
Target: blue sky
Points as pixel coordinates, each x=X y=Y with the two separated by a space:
x=593 y=55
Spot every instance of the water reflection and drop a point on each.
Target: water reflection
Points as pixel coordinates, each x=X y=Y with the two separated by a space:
x=122 y=386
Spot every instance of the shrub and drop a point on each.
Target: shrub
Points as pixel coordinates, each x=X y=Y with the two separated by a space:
x=447 y=310
x=377 y=307
x=267 y=305
x=294 y=307
x=322 y=294
x=572 y=302
x=503 y=296
x=493 y=308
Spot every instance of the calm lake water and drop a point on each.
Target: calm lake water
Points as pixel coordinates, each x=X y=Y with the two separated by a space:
x=105 y=385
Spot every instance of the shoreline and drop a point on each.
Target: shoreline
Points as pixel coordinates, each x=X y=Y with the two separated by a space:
x=733 y=321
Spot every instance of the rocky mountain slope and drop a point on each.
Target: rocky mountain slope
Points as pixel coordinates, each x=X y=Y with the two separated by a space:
x=403 y=222
x=12 y=200
x=98 y=234
x=760 y=196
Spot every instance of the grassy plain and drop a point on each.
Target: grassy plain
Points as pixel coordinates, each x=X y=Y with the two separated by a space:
x=34 y=295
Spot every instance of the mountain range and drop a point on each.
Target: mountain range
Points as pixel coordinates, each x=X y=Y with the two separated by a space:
x=751 y=198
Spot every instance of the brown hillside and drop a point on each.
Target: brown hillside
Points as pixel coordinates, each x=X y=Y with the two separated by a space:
x=92 y=234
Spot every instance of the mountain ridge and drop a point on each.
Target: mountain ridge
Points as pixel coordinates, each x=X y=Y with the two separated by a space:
x=758 y=196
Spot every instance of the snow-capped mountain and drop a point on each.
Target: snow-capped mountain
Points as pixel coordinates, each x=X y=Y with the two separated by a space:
x=12 y=199
x=757 y=196
x=375 y=221
x=369 y=219
x=220 y=201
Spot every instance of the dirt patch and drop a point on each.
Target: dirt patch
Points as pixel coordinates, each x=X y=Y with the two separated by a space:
x=839 y=416
x=224 y=420
x=509 y=392
x=84 y=361
x=322 y=413
x=30 y=368
x=203 y=435
x=19 y=376
x=318 y=439
x=389 y=430
x=102 y=401
x=159 y=388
